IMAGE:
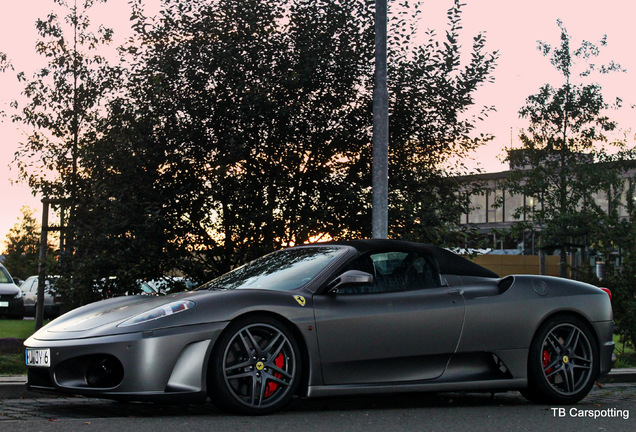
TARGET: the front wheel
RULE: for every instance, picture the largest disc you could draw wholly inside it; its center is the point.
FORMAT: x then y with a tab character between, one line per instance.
255	368
563	362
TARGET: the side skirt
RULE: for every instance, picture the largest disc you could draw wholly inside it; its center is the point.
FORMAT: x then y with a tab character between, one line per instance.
345	390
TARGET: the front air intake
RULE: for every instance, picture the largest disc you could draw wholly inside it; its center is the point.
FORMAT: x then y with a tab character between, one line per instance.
97	371
105	372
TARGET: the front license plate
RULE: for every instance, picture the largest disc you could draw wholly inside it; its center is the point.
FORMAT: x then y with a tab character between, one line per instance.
4	304
38	357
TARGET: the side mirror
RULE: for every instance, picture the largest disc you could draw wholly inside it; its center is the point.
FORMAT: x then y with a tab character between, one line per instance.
350	277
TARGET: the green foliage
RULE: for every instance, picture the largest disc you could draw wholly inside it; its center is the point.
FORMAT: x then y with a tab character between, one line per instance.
563	146
228	143
613	235
626	356
620	283
432	120
280	112
63	101
5	65
12	364
237	127
4	62
565	161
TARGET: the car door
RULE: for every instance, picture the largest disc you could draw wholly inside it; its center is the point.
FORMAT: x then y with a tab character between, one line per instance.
400	328
29	289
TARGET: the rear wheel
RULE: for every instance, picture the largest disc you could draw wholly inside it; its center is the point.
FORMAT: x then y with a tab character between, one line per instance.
256	367
563	362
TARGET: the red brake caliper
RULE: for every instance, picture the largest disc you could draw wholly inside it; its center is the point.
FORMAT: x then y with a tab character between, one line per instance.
272	386
546	360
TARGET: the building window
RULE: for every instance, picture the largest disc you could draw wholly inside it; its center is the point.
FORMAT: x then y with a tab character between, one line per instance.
513	204
477	213
496	206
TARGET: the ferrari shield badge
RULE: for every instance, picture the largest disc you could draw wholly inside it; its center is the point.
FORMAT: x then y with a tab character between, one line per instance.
300	299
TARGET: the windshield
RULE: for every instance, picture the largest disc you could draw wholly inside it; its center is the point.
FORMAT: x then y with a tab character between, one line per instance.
4	276
284	270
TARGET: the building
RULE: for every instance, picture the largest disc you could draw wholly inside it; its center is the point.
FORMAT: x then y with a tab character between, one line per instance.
493	211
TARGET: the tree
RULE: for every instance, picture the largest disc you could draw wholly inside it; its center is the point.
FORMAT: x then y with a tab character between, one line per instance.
568	133
63	102
260	109
614	241
241	126
5	65
22	247
273	100
4	62
433	119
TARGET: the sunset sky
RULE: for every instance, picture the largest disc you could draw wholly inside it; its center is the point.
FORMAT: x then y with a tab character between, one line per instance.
512	27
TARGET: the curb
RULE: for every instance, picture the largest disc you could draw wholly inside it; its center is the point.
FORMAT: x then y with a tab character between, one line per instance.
14	387
618	376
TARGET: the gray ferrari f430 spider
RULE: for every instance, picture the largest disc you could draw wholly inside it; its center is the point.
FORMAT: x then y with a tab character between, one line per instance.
339	318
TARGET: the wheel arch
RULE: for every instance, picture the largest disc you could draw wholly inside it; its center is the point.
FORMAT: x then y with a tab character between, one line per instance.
289	325
571	313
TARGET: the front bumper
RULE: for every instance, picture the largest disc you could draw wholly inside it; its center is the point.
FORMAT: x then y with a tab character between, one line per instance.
14	307
166	365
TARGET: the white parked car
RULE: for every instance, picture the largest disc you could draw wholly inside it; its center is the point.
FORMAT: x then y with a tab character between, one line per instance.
11	301
52	300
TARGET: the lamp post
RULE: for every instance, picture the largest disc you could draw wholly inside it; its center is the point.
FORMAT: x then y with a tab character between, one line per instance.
380	172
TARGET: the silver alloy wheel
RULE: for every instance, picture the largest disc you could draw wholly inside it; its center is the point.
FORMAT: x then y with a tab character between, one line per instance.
568	359
259	366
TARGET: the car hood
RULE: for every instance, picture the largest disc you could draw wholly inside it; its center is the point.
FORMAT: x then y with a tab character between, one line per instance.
8	289
104	318
109	313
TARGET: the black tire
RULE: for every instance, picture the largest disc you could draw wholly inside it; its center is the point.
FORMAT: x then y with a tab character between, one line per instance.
255	368
563	362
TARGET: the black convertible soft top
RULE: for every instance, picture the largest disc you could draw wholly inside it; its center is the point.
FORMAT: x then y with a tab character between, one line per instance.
449	262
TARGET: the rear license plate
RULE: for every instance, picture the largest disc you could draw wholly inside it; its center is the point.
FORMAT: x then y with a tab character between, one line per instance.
4	304
38	357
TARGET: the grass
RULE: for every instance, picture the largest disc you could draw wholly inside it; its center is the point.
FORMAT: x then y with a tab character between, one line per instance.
625	353
20	329
13	364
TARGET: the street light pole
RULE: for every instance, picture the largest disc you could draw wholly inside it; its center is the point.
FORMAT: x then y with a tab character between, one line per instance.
380	171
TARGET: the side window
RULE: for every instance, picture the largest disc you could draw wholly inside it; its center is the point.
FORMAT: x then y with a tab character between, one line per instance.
394	272
420	271
31	287
25	286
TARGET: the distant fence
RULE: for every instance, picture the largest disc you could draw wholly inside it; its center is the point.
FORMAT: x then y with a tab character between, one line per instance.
505	265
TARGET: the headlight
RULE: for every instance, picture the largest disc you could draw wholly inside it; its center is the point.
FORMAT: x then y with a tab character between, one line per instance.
18	294
159	312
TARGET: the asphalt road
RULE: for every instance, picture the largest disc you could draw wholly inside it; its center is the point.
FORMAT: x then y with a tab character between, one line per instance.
615	406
